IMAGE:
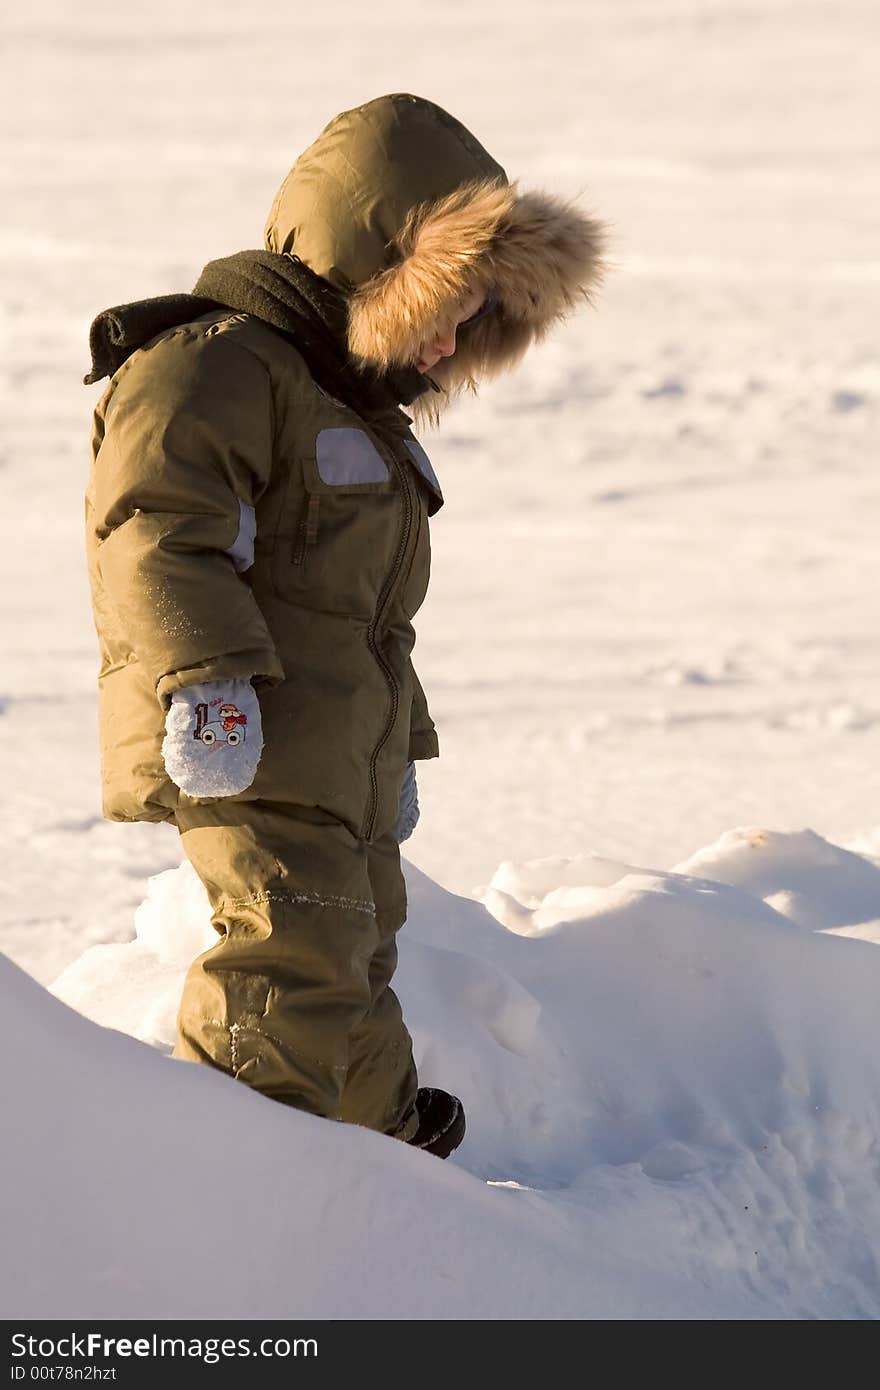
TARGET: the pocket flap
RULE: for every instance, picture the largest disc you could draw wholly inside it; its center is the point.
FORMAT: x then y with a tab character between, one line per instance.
348	457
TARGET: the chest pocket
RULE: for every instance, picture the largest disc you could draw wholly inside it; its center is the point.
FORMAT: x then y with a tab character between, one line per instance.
339	534
346	456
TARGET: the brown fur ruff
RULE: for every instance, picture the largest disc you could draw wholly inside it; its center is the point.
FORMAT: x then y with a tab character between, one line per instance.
542	257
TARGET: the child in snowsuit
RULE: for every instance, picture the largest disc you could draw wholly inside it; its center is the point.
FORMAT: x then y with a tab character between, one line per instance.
257	532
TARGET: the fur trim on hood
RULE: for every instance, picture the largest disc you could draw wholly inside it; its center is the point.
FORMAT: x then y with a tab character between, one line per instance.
539	255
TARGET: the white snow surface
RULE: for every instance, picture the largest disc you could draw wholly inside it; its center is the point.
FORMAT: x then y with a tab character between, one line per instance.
672	1091
653	616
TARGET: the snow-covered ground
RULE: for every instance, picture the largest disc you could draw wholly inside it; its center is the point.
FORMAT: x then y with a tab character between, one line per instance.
671	1080
653	618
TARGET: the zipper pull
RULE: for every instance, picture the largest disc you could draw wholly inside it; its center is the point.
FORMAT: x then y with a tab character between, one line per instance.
308	529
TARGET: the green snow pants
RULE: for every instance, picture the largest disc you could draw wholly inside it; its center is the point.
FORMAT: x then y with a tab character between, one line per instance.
295	998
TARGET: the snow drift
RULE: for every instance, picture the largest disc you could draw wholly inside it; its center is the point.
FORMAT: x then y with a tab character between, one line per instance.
672	1088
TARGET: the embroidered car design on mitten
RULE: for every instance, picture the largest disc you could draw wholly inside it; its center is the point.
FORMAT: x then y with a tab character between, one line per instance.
213	738
229	726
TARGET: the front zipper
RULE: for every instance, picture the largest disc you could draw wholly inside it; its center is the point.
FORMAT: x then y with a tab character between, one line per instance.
381	604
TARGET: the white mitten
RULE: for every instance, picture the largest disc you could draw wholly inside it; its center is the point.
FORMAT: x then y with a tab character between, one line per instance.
409	805
213	738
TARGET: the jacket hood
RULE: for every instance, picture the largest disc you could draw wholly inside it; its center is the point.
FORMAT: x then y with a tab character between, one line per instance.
399	206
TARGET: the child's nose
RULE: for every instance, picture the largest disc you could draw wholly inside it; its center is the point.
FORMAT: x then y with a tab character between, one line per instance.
445	343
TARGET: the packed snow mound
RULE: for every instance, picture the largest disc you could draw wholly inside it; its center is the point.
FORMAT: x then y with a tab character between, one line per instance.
799	875
677	1077
139	1187
816	884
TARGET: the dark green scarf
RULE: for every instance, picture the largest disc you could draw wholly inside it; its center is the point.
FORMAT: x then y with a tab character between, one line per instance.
279	290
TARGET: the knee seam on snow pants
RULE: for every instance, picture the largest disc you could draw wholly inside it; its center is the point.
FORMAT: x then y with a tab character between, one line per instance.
302	895
234	1029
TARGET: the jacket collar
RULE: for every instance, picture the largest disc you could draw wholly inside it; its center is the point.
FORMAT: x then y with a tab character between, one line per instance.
281	291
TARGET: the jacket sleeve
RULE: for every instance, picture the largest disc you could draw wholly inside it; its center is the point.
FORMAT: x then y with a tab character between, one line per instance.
422	735
185	456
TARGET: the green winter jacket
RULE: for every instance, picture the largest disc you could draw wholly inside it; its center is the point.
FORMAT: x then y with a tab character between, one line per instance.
216	430
244	520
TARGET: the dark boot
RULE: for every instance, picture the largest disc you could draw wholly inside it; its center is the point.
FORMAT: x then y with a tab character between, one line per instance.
441	1122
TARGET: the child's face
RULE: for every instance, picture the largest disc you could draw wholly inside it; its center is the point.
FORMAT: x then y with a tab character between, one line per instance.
441	341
